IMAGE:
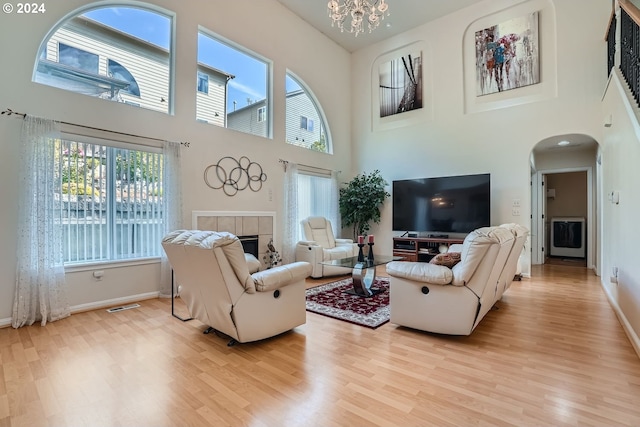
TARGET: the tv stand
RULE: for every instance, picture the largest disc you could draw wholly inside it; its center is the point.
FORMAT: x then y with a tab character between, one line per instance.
438	236
420	249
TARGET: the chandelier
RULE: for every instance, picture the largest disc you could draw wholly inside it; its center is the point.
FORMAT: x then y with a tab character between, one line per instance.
373	11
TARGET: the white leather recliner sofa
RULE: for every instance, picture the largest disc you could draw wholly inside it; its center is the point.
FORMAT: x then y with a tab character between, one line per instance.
219	291
453	301
320	245
512	266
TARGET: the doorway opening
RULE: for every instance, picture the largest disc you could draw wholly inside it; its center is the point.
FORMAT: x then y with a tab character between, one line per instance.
564	202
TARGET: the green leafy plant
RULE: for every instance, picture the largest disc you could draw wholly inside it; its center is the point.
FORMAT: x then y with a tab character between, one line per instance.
360	201
77	189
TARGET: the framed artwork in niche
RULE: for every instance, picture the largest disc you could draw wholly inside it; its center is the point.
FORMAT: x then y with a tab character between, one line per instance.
400	84
399	87
507	55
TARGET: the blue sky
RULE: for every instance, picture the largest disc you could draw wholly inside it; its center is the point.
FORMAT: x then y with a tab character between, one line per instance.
250	74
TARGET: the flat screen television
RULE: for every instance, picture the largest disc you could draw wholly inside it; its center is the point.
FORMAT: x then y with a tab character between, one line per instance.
450	204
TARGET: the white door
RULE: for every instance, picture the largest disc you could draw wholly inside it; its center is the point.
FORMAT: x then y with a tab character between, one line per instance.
538	221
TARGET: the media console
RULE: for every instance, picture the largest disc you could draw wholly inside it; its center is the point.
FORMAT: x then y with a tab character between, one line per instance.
420	248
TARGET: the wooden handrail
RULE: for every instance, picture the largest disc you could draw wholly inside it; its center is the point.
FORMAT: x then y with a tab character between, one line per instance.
631	9
613	14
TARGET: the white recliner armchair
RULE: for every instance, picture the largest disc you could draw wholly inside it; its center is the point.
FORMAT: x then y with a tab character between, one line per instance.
320	245
219	291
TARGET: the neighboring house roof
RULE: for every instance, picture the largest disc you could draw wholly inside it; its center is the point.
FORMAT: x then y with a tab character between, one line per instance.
216	70
100	27
261	103
294	93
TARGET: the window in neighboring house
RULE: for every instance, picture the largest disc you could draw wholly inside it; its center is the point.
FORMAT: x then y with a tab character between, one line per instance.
113	53
262	114
110	201
78	58
306	123
238	83
203	83
119	72
300	102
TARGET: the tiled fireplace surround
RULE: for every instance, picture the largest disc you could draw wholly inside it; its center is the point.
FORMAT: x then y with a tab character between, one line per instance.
243	223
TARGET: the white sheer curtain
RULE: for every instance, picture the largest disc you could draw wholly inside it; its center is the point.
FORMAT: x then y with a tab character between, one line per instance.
172	205
334	209
290	212
40	293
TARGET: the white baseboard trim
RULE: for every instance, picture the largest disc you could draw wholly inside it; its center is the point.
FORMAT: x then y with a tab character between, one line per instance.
99	304
626	326
113	302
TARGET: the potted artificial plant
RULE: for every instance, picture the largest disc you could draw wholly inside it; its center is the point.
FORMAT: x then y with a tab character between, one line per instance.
360	201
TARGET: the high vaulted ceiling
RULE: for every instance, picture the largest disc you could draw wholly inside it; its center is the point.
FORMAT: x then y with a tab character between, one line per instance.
404	15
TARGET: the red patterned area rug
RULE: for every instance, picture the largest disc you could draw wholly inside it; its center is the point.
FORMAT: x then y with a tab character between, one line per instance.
331	300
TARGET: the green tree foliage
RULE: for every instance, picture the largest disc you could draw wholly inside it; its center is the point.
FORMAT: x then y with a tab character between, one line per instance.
79	166
137	165
360	201
320	146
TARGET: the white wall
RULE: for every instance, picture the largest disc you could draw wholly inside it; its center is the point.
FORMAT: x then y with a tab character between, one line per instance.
620	152
269	29
496	134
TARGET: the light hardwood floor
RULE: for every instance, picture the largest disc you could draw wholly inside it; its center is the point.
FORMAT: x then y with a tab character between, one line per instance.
552	353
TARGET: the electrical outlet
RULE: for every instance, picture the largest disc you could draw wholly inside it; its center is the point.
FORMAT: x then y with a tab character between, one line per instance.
516	203
614	275
515	211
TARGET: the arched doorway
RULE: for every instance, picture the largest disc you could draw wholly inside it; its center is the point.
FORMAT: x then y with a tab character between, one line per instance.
565	200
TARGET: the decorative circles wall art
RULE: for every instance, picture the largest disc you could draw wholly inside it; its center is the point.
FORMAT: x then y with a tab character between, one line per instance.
233	175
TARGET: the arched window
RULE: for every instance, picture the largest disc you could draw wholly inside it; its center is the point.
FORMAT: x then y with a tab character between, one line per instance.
305	121
119	53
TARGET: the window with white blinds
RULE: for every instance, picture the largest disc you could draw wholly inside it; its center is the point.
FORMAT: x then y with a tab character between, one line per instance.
314	197
109	201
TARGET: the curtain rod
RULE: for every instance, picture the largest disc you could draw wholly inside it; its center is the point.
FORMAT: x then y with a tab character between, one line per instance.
10	112
286	162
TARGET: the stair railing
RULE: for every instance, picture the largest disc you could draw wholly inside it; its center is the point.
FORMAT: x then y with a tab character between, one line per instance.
611	42
630	46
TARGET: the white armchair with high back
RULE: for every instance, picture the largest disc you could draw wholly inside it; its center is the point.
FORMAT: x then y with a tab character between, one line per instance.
320	245
219	290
